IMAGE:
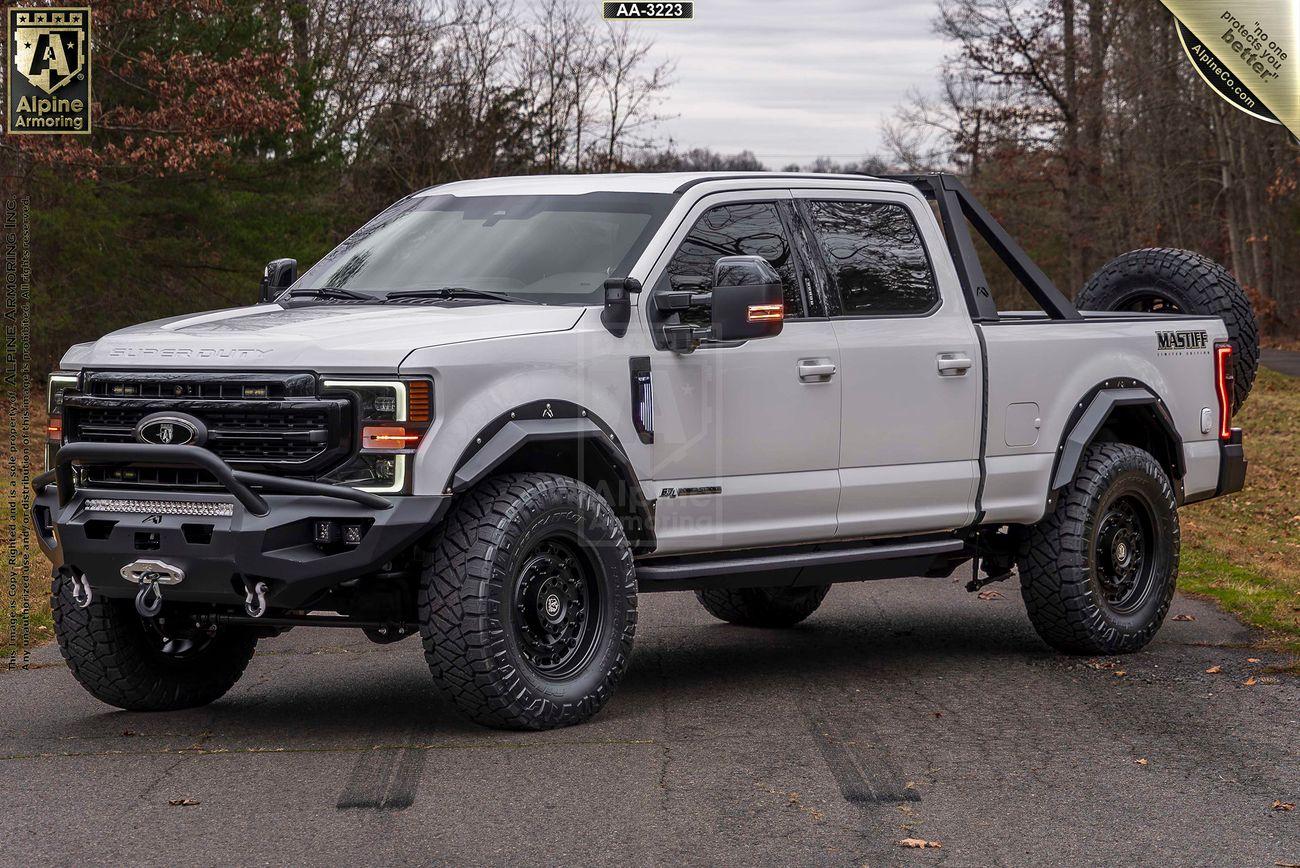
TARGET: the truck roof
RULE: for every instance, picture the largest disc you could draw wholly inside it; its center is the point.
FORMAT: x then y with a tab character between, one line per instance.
632	182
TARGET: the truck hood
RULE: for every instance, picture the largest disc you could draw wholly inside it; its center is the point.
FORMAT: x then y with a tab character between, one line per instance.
355	338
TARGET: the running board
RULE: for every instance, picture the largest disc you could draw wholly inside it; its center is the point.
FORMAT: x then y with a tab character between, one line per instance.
802	565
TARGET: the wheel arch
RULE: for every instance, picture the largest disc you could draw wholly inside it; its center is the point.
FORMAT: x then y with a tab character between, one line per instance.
1123	411
558	436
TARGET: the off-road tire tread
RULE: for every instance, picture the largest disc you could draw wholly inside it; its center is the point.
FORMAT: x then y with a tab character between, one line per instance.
463	642
1053	560
762	607
107	650
1207	287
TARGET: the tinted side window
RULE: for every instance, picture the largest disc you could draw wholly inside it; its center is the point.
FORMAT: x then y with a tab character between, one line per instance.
740	229
875	257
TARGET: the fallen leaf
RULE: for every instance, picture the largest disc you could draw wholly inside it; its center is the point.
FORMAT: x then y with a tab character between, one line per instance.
1214	670
182	803
990	595
1141	762
1184	617
920	844
1283	806
1250	682
1120	673
1252	659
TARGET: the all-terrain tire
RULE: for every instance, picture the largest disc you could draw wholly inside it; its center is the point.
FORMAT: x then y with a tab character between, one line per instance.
1067	561
119	661
478	623
763	607
1193	284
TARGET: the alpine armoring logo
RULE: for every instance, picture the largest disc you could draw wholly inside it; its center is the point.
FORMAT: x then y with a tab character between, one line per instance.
1170	342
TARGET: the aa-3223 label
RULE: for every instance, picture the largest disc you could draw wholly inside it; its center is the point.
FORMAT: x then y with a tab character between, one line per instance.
644	11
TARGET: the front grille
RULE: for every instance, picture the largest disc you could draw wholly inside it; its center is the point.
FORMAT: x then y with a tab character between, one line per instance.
283	428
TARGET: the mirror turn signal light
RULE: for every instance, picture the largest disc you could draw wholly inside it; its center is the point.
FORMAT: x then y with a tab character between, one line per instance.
390	437
766	312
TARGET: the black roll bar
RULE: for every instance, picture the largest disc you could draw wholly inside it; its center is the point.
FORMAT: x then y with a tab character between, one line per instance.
958	206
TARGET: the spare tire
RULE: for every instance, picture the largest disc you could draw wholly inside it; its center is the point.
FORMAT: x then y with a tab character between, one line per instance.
1165	280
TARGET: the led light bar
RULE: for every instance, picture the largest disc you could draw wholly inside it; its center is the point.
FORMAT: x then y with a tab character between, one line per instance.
161	507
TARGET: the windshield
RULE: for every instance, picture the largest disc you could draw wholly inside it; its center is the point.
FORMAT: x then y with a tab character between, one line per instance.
542	249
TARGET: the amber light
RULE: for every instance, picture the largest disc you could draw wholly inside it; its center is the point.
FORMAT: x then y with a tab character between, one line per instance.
389	437
419	401
54	430
1223	385
766	312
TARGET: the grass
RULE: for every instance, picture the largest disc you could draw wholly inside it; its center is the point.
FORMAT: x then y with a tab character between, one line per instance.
1242	551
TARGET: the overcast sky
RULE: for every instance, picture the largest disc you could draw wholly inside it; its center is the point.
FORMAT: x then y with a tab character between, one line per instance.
794	79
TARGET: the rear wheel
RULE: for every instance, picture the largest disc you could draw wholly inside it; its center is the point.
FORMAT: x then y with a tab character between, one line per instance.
763	607
528	602
142	664
1165	280
1097	574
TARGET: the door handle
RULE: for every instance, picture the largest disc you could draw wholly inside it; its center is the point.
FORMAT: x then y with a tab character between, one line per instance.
816	370
953	365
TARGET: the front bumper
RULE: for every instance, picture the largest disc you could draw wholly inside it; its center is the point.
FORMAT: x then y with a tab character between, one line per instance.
268	538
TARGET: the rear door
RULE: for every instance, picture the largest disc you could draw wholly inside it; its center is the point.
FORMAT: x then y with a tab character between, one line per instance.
746	447
910	364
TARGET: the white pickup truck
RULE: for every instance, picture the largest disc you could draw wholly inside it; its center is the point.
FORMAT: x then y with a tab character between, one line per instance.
503	408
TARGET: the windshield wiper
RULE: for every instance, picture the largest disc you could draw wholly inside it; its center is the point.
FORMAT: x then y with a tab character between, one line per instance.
456	292
330	292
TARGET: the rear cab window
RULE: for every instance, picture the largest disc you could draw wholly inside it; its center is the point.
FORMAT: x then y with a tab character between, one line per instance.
875	260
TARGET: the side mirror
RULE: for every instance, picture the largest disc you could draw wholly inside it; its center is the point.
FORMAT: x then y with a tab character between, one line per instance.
618	304
748	299
276	278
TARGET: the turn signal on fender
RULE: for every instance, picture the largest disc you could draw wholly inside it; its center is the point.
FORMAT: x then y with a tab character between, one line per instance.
766	312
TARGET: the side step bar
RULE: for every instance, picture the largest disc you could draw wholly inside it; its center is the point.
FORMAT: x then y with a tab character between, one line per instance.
803	565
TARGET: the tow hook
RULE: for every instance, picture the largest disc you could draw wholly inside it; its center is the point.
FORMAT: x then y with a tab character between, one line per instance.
81	592
151	575
255	599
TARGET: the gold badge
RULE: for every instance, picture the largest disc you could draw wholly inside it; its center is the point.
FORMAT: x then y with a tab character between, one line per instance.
49	71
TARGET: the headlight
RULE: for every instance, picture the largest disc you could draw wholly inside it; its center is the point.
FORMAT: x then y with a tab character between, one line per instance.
57	385
394	417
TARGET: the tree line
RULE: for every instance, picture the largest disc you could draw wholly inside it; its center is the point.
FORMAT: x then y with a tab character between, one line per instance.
1087	130
228	132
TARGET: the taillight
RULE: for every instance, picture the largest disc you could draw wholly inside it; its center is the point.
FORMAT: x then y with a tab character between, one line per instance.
1223	385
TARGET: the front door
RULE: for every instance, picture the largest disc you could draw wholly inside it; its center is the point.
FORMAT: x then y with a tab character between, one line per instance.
911	369
747	435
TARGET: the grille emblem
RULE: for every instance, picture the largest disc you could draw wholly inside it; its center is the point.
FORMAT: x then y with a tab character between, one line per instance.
170	429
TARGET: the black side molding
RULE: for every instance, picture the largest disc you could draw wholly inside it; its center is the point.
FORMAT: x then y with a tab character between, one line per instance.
1232	465
802	565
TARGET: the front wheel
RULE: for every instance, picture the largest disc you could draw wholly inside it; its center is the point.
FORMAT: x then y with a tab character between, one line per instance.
528	602
1097	574
138	665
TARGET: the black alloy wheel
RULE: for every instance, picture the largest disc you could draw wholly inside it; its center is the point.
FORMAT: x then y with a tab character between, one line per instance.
557	613
1122	554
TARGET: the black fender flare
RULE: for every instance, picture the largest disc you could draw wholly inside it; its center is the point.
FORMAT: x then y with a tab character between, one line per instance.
1092	414
551	420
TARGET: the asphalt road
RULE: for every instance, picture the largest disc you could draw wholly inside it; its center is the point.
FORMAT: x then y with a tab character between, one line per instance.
1286	361
901	709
